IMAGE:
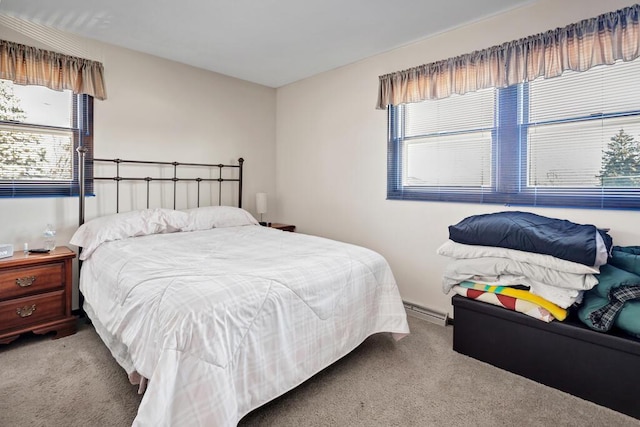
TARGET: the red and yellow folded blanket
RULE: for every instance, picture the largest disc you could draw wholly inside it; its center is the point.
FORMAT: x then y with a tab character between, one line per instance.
519	300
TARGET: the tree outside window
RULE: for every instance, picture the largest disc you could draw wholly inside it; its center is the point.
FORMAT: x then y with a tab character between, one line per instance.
621	162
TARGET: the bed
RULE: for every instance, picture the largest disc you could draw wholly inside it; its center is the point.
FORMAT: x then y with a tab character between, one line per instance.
216	315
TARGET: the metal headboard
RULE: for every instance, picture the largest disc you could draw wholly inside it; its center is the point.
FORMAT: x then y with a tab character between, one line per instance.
148	179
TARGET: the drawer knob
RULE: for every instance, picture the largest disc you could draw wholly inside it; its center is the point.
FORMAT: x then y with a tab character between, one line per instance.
23	282
26	311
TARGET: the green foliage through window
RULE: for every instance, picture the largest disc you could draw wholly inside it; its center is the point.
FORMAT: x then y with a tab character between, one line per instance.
39	131
621	162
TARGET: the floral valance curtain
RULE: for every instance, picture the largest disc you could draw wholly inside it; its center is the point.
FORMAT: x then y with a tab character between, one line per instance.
602	40
28	65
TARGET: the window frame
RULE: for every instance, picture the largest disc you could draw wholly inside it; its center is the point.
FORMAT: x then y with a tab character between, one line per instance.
82	136
509	139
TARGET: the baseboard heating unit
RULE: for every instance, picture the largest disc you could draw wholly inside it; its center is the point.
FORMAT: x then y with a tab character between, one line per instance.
426	313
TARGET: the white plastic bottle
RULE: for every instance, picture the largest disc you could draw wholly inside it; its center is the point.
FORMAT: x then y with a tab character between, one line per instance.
50	237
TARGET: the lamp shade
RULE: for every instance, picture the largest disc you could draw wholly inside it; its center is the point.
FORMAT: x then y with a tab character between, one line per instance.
261	203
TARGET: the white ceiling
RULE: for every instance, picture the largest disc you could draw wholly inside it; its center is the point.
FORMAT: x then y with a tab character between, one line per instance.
270	42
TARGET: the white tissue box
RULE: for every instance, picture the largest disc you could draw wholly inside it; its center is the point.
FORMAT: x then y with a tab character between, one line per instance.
6	251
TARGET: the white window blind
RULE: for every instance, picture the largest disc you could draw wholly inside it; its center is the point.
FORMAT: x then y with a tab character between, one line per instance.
40	129
572	140
572	120
441	149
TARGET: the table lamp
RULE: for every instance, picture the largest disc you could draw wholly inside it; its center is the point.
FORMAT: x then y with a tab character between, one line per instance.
261	205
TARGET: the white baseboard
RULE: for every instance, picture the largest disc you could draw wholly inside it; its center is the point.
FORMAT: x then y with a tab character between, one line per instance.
426	314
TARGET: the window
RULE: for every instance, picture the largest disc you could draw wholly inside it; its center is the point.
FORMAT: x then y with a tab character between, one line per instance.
572	140
40	130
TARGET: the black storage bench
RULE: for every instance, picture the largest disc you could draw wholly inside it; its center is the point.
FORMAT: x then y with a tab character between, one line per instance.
568	356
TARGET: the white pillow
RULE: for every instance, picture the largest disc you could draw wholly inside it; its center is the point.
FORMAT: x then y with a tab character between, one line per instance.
208	217
175	220
128	224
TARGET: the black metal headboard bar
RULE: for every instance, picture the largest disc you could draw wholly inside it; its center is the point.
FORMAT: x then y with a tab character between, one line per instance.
175	179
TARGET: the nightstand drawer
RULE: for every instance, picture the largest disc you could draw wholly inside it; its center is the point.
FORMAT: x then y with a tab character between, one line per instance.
27	280
35	294
26	311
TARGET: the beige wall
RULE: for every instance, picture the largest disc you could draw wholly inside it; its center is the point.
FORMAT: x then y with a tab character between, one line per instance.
331	154
158	110
329	162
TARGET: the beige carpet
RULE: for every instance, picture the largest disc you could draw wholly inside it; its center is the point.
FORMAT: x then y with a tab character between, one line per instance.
419	381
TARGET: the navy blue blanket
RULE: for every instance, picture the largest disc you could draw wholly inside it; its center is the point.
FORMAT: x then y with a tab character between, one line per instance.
529	232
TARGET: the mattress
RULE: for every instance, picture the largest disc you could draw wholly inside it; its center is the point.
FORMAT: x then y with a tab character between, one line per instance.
221	321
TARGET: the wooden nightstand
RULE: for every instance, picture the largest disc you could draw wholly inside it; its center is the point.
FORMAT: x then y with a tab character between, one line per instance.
35	294
283	227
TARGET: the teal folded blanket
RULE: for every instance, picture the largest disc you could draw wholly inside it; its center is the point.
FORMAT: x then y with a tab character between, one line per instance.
626	258
628	318
616	298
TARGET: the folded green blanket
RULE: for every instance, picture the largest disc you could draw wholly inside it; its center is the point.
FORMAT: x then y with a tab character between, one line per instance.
628	319
626	258
614	300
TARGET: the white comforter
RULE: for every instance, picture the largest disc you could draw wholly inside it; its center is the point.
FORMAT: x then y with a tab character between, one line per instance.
558	281
222	321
